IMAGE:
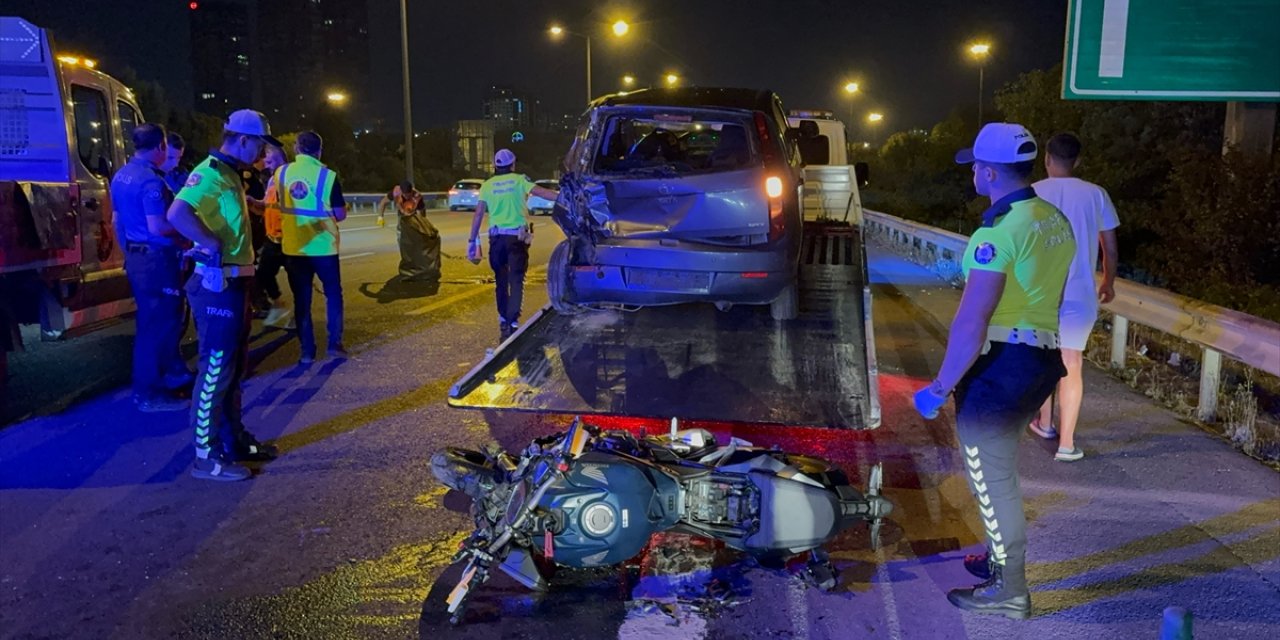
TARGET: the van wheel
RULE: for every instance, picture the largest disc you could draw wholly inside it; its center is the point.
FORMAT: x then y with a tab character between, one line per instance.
786	305
558	281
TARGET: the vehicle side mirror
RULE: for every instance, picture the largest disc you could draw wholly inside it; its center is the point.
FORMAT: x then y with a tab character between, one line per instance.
792	135
862	173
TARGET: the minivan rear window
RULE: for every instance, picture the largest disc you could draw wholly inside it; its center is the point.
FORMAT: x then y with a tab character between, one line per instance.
469	186
674	144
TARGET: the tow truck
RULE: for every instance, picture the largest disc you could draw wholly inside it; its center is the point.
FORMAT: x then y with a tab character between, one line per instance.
64	129
696	362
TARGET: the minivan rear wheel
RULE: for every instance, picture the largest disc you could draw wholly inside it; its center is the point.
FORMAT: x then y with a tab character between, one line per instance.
786	305
558	280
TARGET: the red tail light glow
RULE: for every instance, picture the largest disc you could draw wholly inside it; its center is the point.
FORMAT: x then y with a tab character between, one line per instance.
766	141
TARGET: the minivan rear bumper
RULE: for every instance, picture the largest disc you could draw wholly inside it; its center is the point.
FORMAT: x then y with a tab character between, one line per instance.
652	272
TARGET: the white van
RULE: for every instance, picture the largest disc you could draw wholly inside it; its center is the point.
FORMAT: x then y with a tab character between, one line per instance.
65	131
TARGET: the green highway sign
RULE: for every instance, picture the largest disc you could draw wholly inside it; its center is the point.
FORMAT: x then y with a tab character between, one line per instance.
1214	50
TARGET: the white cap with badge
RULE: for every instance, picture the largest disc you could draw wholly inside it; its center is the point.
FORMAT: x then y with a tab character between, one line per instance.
1000	142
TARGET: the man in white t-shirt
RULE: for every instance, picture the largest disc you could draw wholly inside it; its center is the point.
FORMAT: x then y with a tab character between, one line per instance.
1092	215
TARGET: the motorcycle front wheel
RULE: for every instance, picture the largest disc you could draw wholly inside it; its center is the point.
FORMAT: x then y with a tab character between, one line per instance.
463	470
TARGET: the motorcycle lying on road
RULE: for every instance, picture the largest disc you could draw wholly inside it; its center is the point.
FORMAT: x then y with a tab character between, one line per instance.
590	497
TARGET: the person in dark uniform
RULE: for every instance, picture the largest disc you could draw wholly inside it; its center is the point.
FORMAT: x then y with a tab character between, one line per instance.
175	175
211	210
1003	357
153	264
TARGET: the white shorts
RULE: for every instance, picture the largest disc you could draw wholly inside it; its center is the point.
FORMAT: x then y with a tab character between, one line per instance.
1075	323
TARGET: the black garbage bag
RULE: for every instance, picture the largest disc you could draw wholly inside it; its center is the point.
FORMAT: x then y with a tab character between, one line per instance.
419	248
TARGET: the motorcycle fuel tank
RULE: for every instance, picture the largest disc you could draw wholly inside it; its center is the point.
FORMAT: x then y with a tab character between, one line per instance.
609	505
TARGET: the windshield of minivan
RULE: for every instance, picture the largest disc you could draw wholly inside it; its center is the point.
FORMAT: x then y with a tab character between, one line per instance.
674	144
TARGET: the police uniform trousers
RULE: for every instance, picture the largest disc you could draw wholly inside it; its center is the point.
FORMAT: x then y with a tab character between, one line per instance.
270	261
155	276
509	258
222	325
998	396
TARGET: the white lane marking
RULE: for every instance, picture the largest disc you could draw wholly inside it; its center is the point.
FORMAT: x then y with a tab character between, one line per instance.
463	295
356	255
798	608
886	589
1115	31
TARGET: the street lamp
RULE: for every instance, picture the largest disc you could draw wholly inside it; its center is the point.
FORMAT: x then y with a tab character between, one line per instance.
404	80
336	98
850	88
980	50
672	79
628	81
875	117
620	28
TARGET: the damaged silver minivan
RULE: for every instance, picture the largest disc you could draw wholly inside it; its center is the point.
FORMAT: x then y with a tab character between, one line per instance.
679	195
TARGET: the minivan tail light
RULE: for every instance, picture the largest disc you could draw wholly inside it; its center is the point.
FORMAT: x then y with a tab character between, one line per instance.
773	186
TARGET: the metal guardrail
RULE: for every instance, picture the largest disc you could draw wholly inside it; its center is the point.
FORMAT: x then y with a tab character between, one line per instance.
1218	331
368	202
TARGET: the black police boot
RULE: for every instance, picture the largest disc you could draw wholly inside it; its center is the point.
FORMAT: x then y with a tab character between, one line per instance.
993	596
978	564
247	448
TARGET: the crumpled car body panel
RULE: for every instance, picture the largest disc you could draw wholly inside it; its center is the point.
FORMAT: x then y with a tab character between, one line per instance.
655	236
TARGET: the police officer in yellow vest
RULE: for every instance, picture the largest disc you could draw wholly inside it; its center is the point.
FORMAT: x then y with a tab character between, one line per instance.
503	198
211	211
1003	357
311	206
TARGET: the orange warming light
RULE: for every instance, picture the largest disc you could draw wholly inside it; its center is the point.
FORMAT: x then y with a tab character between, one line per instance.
773	187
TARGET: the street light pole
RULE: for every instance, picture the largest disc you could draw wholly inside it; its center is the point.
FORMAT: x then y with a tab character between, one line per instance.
981	68
980	50
408	108
589	94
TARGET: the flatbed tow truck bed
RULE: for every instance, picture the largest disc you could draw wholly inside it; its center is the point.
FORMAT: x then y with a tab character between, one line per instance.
695	362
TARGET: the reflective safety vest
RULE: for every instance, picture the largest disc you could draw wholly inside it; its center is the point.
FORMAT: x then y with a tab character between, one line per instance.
303	188
271	215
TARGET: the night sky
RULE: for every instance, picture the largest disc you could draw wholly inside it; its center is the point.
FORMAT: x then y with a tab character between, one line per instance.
908	56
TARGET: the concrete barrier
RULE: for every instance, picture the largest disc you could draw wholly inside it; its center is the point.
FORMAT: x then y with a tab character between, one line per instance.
368	202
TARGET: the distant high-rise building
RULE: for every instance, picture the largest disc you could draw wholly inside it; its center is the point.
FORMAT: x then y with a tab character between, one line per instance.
221	57
473	153
310	48
510	109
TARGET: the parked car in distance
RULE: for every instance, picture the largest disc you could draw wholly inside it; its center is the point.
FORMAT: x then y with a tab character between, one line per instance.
465	194
539	206
680	195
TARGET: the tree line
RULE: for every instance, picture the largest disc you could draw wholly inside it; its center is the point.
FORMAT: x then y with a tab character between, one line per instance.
1194	220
